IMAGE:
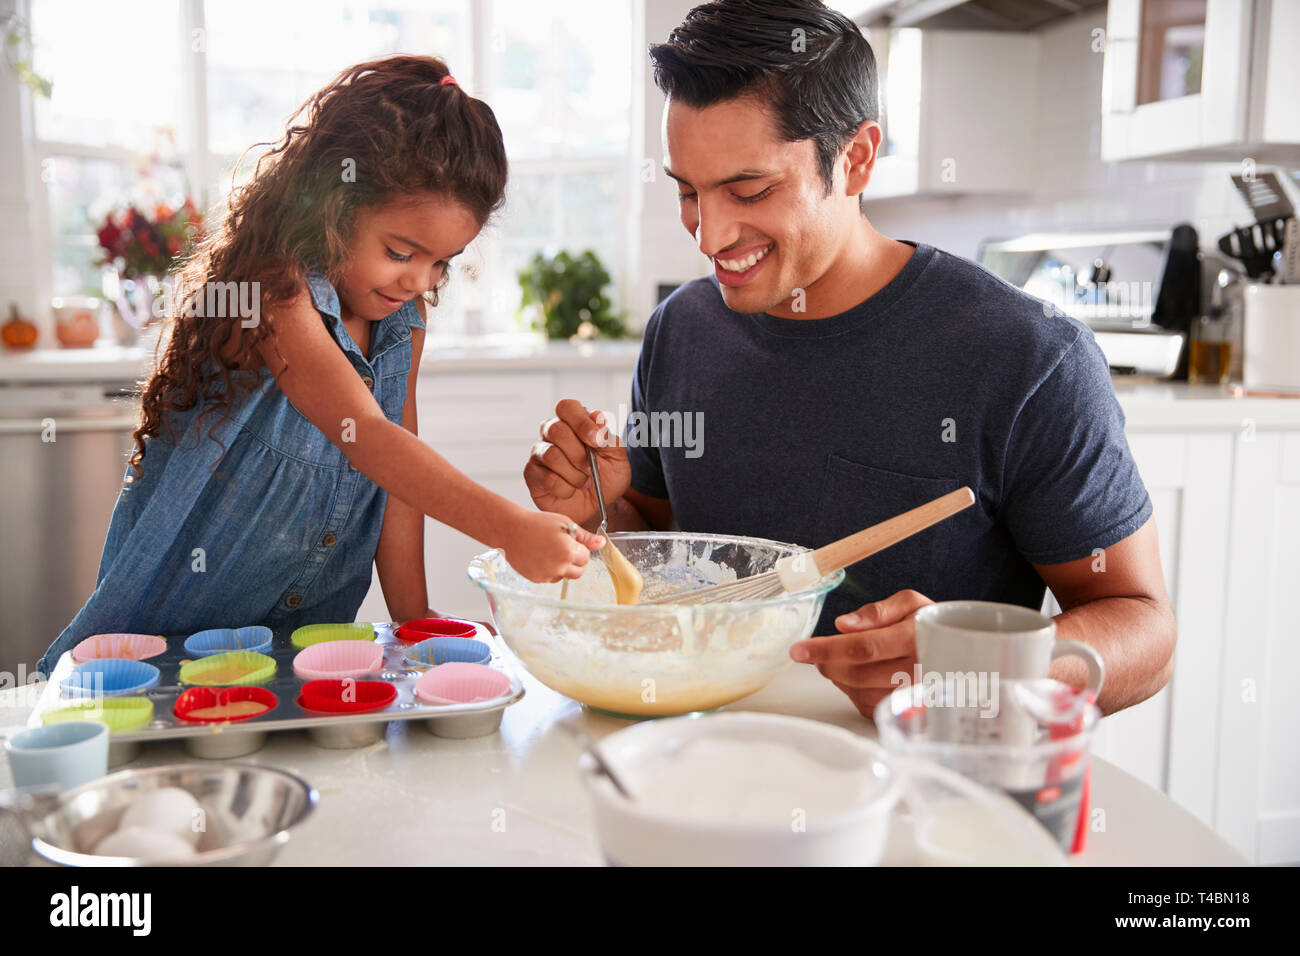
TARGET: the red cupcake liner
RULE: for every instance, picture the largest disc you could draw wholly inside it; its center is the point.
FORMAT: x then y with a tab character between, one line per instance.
331	696
197	698
412	632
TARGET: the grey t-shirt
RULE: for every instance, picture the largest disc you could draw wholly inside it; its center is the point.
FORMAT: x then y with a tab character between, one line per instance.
809	430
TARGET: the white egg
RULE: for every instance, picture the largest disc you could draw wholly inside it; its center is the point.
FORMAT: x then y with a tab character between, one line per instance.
168	810
142	843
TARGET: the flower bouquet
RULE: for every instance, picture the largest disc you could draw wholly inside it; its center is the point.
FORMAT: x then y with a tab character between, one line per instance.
143	250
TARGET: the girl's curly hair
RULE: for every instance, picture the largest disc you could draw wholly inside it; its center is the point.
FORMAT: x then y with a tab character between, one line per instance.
380	130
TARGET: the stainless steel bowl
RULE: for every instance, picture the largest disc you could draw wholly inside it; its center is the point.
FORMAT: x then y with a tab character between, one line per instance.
654	660
249	813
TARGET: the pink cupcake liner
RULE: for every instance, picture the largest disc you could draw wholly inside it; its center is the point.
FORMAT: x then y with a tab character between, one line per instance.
338	659
460	683
134	647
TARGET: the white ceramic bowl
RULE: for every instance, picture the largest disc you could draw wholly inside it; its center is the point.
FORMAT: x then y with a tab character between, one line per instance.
795	819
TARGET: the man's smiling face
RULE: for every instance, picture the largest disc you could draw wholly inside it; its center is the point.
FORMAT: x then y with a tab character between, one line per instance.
756	204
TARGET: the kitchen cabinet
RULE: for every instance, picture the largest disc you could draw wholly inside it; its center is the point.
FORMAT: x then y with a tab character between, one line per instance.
953	111
1201	80
1188	476
1257	807
1224	480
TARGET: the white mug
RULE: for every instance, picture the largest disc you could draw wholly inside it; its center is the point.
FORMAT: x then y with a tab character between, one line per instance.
972	648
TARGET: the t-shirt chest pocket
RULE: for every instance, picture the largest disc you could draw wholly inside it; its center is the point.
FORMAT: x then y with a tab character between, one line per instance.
855	496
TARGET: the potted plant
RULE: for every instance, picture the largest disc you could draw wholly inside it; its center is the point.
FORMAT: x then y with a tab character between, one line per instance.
569	293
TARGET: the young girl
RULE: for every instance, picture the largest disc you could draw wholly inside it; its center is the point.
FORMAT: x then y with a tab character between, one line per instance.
277	458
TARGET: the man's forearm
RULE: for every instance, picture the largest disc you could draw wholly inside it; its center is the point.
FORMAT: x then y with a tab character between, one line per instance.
1134	636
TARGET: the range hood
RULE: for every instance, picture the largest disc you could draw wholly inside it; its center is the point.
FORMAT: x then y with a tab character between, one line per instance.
995	15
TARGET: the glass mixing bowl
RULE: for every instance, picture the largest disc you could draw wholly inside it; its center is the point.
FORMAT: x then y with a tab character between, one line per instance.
657	660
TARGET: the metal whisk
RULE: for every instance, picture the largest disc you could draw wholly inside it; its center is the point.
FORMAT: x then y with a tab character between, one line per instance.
799	571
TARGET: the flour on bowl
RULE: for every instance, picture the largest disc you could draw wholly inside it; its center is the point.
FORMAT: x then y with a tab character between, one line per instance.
653	660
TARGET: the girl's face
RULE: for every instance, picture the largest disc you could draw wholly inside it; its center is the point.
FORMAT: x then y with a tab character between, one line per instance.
400	250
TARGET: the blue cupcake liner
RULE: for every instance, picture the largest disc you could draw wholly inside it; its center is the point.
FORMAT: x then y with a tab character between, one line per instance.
218	640
444	650
112	677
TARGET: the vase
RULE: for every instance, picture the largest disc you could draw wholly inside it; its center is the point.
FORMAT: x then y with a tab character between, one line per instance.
135	307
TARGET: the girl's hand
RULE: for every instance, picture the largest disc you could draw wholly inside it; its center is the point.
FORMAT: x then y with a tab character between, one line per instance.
541	549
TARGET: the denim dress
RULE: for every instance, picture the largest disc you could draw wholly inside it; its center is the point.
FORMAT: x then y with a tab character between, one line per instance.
267	524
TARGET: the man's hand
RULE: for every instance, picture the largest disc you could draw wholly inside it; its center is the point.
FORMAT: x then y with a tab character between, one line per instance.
557	473
877	641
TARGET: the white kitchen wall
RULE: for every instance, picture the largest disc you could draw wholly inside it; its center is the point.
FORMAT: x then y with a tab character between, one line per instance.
17	258
668	253
1072	188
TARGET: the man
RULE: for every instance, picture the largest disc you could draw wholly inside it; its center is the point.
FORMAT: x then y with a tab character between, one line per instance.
845	377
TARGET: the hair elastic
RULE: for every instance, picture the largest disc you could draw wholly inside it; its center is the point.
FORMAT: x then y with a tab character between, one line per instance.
448	80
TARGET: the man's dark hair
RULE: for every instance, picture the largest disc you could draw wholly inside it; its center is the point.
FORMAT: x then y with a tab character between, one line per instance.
811	64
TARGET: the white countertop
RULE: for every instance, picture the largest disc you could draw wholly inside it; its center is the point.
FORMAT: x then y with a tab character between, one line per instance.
414	799
1147	404
495	354
1152	404
106	363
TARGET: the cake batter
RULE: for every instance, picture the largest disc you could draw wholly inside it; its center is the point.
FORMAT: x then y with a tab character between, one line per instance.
231	711
627	579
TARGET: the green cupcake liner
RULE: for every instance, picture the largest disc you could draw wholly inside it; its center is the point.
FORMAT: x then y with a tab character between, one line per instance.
122	714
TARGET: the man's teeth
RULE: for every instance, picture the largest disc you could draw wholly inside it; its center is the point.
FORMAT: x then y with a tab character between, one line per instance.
740	265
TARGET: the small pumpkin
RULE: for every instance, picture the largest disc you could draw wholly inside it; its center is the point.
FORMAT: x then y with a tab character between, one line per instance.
18	333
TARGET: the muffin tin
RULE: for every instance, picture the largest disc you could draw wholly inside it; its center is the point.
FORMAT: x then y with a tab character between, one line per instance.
332	726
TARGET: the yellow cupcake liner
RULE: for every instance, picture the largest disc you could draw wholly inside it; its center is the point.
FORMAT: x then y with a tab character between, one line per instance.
311	634
215	671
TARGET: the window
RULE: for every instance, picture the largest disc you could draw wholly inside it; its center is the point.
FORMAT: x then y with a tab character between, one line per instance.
108	131
193	84
561	77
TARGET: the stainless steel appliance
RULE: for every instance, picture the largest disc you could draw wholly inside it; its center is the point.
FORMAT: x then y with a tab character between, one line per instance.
63	451
1112	281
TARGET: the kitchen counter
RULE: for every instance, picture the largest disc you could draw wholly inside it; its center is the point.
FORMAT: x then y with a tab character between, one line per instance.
514	798
1147	403
97	364
493	354
1154	404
